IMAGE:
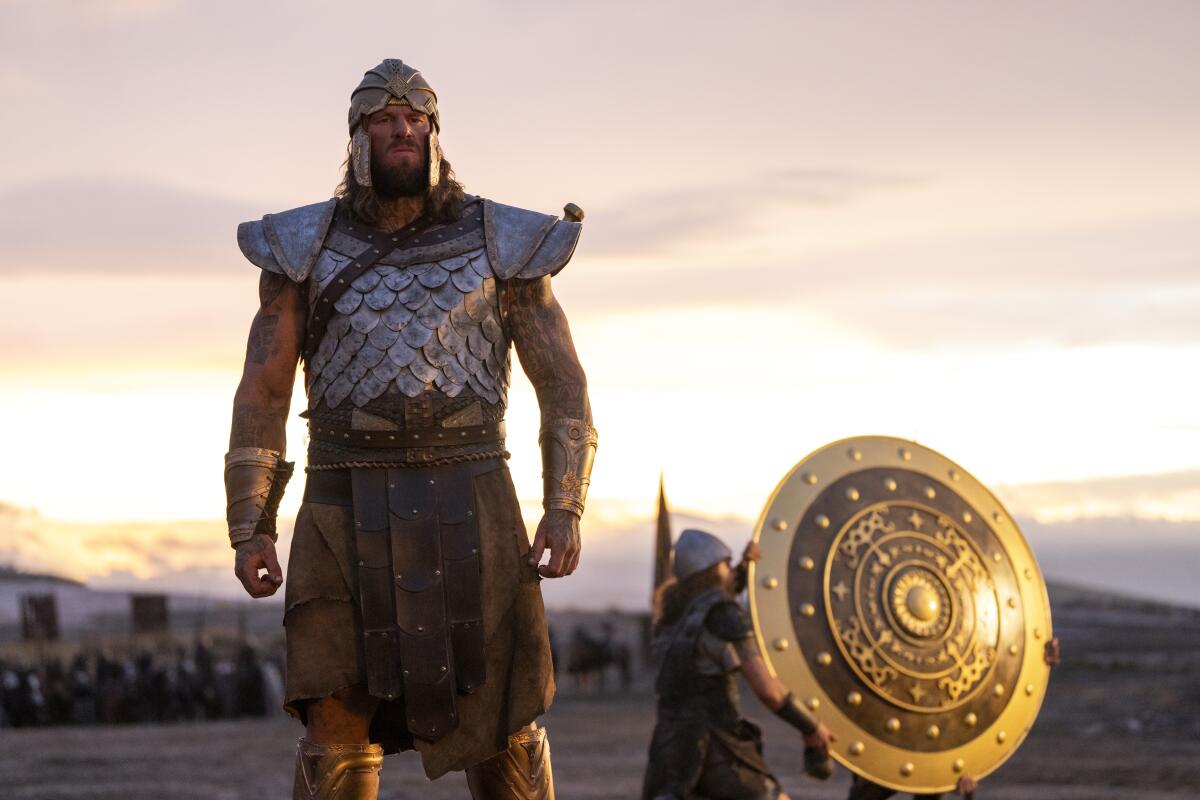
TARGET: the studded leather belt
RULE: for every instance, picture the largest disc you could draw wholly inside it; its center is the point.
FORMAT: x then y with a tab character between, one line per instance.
414	437
335	488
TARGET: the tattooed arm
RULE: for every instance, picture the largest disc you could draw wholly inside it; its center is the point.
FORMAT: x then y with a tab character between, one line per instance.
264	395
543	341
260	407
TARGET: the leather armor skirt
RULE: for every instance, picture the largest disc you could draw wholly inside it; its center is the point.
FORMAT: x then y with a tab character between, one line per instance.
324	626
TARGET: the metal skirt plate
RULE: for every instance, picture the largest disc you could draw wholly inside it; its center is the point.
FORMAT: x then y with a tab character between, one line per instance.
898	599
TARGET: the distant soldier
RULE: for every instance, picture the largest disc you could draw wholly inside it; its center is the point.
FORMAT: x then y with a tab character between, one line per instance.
702	747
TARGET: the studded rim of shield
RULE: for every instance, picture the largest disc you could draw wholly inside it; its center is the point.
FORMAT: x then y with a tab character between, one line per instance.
898	599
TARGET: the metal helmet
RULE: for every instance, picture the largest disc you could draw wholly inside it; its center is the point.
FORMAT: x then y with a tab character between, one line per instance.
696	551
391	83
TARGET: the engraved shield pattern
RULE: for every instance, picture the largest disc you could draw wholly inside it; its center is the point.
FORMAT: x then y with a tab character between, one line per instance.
433	325
898	599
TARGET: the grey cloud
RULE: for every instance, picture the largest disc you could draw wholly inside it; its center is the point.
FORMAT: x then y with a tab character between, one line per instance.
1157	253
117	226
650	223
1103	284
127	226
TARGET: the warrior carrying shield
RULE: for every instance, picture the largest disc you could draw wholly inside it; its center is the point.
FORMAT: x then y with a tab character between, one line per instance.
702	747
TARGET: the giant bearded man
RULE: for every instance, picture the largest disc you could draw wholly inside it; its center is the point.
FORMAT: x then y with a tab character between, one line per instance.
413	614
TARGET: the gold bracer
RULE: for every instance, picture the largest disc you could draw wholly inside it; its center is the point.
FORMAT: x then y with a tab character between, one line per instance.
254	482
568	449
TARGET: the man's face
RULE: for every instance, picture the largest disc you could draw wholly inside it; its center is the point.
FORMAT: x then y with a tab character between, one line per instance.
399	160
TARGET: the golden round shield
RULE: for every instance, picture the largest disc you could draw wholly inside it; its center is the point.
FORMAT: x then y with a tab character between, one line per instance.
899	601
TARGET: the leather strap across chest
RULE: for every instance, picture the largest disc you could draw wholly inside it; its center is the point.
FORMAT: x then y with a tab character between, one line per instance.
379	245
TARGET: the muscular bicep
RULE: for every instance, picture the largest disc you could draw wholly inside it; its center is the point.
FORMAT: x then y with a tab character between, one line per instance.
272	354
273	346
542	338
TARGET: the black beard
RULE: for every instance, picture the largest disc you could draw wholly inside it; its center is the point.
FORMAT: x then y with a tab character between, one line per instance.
392	183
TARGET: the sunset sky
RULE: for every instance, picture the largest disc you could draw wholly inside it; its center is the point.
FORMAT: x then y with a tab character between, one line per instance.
973	225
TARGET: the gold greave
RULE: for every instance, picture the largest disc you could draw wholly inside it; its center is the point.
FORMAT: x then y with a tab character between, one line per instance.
337	771
522	772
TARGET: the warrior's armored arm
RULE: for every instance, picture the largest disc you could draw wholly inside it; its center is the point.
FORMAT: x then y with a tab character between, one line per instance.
785	705
796	715
255	472
773	694
568	440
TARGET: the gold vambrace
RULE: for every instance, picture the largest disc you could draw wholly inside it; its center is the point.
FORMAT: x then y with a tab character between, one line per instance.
568	449
254	483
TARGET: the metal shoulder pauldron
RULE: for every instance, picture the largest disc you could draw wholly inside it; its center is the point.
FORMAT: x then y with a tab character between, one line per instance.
527	244
288	242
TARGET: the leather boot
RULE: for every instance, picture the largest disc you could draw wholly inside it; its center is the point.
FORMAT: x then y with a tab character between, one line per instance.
337	771
522	772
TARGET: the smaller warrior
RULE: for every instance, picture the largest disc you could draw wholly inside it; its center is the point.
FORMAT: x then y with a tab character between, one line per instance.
702	747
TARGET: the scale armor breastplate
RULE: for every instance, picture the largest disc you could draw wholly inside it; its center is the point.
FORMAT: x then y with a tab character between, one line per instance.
426	317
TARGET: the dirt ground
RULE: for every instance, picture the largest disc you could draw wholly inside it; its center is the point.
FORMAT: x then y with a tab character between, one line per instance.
599	747
1121	719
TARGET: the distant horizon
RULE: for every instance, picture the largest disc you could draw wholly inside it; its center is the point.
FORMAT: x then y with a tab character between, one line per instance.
1053	583
1099	553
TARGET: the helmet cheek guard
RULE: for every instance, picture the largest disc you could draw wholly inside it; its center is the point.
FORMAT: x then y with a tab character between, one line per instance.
435	158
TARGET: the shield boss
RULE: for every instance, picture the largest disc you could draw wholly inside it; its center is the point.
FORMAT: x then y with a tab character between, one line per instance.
898	599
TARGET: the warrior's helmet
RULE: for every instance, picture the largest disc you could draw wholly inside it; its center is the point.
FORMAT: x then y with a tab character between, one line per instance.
696	551
391	83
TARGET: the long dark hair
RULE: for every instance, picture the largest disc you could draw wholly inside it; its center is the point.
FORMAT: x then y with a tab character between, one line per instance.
443	203
673	597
